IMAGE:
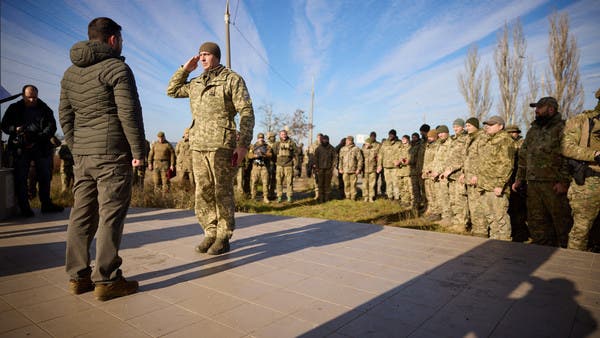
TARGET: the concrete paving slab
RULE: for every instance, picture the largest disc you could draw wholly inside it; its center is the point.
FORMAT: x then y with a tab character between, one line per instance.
290	277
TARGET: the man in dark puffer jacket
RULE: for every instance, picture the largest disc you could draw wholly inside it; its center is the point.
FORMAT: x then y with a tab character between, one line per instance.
101	118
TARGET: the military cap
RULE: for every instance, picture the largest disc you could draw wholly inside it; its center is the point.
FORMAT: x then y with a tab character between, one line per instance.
350	138
598	94
546	101
211	47
161	134
432	133
442	129
473	121
459	122
425	127
260	135
512	128
494	120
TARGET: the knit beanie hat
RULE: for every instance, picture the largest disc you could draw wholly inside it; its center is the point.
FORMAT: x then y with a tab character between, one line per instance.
442	129
474	122
459	122
212	48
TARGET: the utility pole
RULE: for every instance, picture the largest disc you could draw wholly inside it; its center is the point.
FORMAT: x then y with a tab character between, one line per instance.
227	35
312	105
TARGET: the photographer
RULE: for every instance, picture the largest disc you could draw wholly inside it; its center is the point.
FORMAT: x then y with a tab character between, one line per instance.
260	154
30	124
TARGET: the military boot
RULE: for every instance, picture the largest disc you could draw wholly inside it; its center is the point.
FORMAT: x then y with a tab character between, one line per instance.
205	244
118	288
220	246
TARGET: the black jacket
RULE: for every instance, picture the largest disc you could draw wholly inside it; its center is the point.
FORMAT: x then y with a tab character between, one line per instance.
37	129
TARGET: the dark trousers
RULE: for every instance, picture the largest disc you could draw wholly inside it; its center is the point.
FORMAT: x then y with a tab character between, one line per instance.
102	192
43	173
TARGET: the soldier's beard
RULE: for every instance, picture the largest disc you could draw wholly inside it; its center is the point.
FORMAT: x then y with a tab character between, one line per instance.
542	120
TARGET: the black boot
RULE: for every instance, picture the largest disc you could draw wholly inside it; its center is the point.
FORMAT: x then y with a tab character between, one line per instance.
220	246
205	244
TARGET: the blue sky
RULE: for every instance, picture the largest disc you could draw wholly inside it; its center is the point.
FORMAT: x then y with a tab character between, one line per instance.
376	64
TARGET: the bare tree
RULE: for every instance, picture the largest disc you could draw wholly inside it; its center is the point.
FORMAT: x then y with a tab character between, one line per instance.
509	68
474	86
563	55
271	122
527	113
298	125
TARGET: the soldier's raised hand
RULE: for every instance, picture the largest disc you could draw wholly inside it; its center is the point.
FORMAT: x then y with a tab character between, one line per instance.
191	64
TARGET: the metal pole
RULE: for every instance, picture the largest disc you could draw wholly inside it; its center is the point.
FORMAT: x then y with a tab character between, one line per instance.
310	118
227	35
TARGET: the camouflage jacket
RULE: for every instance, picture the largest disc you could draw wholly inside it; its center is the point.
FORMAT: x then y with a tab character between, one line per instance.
285	152
216	96
540	158
351	159
473	149
570	146
429	157
370	152
388	153
404	153
456	155
183	152
496	159
442	155
325	157
162	152
260	153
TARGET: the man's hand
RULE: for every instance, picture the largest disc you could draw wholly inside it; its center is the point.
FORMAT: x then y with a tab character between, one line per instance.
192	64
473	181
498	191
238	155
150	166
379	169
461	179
397	163
137	163
516	185
560	188
445	174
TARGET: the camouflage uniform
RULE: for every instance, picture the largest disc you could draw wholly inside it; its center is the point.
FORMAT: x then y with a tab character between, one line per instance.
585	199
183	153
325	159
496	165
440	184
433	205
285	153
542	166
351	161
260	155
216	97
474	195
66	167
369	183
388	153
311	162
162	157
404	171
457	190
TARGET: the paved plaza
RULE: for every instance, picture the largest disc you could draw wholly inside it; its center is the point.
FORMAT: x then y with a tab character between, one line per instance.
299	277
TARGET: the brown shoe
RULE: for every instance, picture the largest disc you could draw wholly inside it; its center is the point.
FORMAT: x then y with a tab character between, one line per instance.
118	288
81	285
205	244
220	246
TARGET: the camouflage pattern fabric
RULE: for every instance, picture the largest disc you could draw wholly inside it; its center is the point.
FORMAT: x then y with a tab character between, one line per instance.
183	153
351	161
388	153
584	199
433	205
457	190
162	156
441	185
370	151
66	168
260	155
470	167
496	215
548	214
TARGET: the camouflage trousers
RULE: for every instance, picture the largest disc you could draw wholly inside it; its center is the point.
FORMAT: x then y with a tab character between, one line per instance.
187	177
316	184
285	175
477	211
585	202
548	214
441	193
324	177
214	205
159	176
496	215
458	203
369	186
350	180
391	183
433	206
259	173
406	190
66	177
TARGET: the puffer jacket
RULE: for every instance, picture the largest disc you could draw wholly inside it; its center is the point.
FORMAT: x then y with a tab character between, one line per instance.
99	110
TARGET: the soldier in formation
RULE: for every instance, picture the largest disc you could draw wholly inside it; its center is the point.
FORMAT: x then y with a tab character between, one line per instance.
260	155
286	152
183	154
161	159
325	160
311	163
370	151
387	163
350	166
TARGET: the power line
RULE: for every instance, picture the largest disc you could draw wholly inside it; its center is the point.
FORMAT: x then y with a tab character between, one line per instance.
29	77
31	66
